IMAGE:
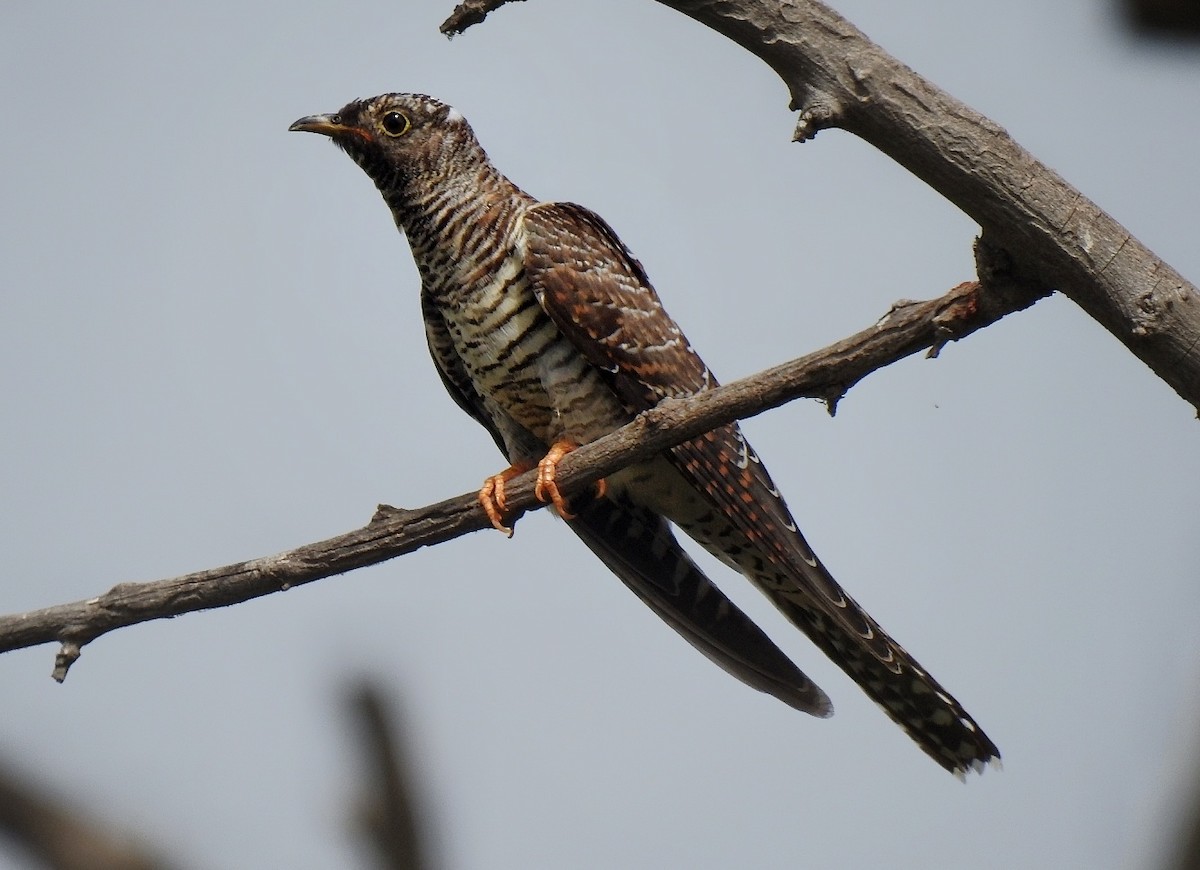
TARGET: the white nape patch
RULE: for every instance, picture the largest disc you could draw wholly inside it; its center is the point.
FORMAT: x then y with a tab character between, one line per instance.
453	115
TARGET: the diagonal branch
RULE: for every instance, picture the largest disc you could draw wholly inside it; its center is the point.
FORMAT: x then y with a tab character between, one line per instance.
826	374
1053	234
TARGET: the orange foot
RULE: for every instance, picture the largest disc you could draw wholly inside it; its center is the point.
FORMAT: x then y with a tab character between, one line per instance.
491	496
547	488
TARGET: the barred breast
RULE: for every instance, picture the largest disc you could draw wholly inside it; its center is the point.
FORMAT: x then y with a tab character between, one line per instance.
471	259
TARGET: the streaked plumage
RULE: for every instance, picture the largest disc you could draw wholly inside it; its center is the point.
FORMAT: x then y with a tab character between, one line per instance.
546	330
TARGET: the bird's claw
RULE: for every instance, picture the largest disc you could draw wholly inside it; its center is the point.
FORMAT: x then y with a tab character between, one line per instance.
491	497
491	494
546	488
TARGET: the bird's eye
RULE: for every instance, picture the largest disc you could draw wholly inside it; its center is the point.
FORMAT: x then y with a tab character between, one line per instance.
395	123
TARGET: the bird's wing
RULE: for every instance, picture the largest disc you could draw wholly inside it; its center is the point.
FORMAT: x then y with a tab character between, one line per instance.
638	546
603	301
599	296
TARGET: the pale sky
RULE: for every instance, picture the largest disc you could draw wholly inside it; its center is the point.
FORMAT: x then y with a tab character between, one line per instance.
210	350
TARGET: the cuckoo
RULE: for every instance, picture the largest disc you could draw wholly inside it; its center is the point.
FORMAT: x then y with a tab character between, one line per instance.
546	330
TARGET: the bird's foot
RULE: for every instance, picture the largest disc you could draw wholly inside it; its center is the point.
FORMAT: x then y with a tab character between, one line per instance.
547	487
491	496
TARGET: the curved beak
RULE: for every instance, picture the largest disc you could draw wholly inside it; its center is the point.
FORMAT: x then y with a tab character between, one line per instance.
326	125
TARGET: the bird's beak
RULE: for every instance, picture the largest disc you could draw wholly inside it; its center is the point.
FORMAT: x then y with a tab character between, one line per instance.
326	125
333	126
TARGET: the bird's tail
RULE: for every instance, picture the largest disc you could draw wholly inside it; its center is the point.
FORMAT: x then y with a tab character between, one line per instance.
809	597
640	548
743	520
892	678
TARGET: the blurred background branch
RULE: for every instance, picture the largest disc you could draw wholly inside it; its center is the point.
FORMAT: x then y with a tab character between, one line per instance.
1165	17
63	834
388	810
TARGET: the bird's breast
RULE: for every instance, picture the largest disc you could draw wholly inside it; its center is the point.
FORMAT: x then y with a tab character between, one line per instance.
521	362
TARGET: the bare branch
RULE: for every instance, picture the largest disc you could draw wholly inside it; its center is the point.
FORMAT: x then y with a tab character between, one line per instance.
827	374
1053	234
468	13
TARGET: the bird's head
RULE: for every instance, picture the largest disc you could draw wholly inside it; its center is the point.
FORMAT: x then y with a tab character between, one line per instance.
397	137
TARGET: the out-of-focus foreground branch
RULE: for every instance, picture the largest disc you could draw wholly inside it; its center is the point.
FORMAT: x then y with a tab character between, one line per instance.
388	811
1174	18
62	836
388	815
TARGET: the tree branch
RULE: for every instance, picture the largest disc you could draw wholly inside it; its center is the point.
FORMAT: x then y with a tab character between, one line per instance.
469	13
1053	234
827	374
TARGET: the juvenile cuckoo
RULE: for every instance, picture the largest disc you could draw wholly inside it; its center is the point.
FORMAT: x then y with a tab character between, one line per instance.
545	329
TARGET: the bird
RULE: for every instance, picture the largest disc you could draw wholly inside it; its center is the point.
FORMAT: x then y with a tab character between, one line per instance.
545	329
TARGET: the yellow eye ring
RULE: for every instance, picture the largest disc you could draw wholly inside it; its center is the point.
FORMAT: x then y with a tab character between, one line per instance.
395	123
